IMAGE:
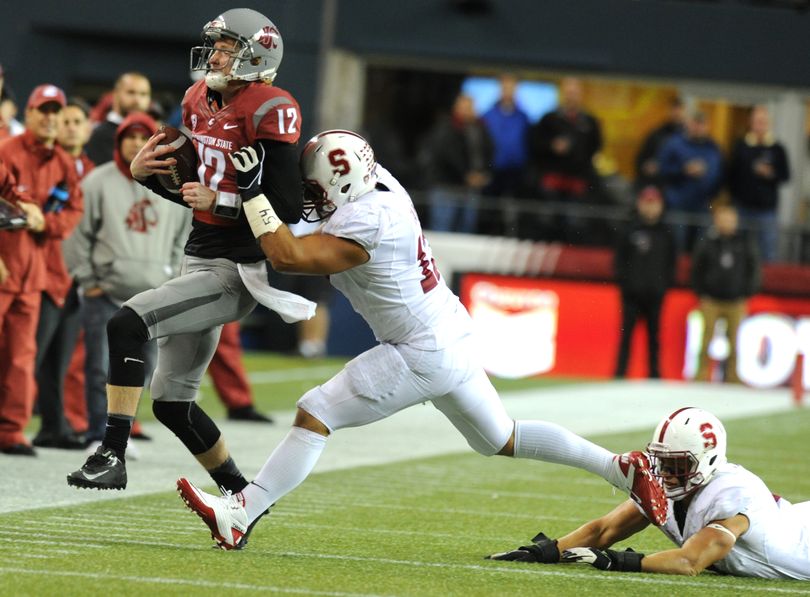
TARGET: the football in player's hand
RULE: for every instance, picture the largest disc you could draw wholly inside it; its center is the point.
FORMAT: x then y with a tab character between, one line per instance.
185	170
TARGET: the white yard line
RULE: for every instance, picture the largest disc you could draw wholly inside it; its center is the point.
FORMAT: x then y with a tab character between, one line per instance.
418	432
539	570
182	582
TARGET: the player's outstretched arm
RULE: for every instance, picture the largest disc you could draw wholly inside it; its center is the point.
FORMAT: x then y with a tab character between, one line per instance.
622	522
320	254
711	544
700	551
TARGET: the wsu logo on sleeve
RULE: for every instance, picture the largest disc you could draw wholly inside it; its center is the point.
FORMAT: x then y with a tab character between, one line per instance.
142	216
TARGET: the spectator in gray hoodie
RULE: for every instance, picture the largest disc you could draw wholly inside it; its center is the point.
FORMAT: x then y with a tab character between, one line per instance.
128	241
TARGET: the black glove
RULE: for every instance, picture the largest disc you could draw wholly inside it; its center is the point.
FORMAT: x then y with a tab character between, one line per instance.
542	550
605	559
248	162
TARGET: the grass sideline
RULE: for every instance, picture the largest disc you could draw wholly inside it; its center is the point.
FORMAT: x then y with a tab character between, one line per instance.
419	527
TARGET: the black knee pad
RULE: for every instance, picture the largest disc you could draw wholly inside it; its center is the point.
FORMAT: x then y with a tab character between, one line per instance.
126	335
189	423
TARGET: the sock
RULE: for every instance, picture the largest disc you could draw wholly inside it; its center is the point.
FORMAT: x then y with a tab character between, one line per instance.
550	442
228	476
117	433
288	465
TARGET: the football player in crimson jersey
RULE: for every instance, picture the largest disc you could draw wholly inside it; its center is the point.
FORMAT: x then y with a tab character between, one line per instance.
374	252
722	517
235	105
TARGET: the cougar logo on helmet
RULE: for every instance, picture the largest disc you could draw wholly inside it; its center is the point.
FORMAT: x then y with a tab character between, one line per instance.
267	37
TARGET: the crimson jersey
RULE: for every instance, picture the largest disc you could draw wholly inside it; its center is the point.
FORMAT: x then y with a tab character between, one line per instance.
257	111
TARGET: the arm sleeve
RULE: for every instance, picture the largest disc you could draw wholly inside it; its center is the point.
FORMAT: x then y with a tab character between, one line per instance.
728	503
734	170
8	190
281	182
620	257
782	165
647	152
714	173
360	223
153	184
669	164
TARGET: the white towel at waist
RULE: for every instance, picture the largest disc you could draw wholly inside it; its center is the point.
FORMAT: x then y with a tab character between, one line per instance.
291	307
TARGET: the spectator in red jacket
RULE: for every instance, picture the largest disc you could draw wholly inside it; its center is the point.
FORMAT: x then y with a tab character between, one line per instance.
46	172
19	305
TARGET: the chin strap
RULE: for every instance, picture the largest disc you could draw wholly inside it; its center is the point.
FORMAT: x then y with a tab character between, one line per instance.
216	81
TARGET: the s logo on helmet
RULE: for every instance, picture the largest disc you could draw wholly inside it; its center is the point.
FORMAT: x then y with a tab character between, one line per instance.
340	165
267	37
708	435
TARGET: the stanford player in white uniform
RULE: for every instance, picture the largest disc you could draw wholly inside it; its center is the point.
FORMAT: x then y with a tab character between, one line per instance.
721	516
373	249
235	106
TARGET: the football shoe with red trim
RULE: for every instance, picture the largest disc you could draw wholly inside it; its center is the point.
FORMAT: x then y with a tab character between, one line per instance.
225	515
632	474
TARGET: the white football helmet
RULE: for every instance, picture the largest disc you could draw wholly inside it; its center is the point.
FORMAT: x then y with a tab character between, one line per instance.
336	167
256	56
688	446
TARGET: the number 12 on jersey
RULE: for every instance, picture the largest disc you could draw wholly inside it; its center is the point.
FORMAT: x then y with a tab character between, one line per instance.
430	273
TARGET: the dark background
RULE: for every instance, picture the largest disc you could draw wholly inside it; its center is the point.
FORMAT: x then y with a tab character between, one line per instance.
83	46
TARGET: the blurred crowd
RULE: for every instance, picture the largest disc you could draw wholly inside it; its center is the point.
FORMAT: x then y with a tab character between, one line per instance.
500	173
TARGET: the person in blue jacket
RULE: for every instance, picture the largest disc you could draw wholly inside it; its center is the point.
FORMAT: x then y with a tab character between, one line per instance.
692	170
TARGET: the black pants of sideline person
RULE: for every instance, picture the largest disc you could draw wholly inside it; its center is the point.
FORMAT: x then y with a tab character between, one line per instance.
647	306
57	334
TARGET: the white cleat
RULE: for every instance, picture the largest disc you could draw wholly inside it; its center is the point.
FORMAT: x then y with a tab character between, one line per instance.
224	515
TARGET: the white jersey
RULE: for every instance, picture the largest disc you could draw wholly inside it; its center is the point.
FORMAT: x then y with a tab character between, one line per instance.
398	291
777	542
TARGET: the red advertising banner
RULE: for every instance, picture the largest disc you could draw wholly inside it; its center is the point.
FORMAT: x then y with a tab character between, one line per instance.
535	326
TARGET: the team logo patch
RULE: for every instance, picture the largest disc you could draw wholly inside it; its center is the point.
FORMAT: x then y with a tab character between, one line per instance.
193	122
267	37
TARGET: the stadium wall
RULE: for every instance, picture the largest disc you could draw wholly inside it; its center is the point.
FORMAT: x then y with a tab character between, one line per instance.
95	40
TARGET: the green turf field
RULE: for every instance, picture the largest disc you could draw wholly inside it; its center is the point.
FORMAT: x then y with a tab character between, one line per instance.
419	527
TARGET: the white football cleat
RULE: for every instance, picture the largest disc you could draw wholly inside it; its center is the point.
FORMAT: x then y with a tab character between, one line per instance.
225	515
631	474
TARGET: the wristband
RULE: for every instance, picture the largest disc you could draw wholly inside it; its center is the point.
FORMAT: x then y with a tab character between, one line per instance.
227	205
260	215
